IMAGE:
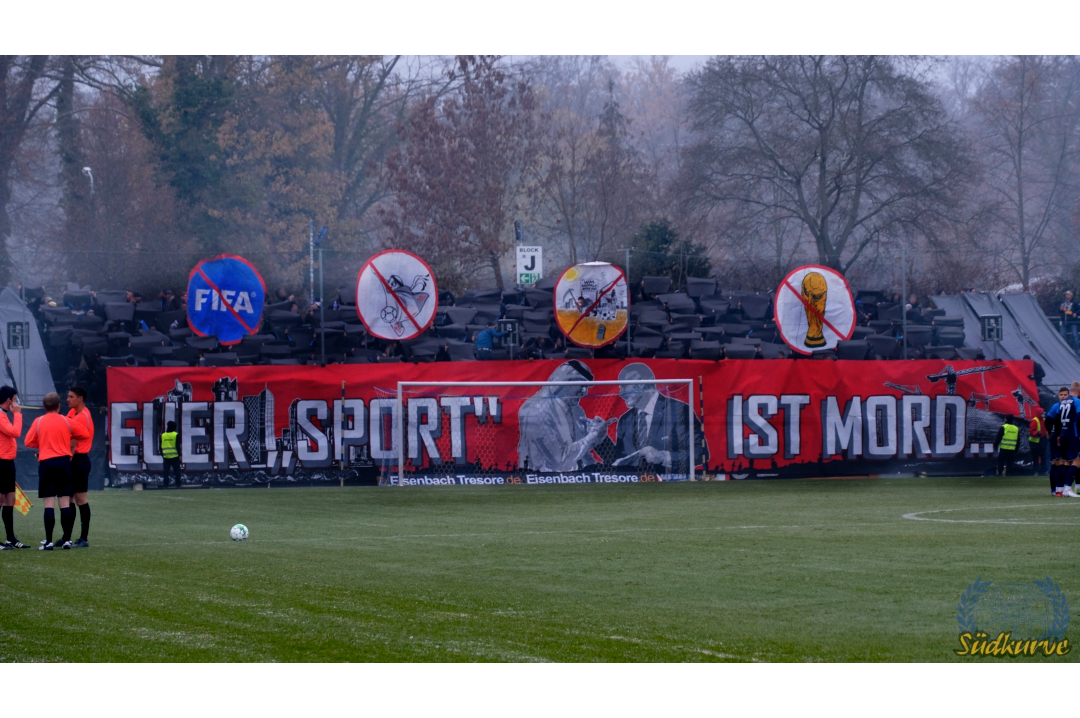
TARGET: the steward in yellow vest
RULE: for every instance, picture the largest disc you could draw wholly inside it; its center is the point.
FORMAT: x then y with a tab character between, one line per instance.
169	454
1007	437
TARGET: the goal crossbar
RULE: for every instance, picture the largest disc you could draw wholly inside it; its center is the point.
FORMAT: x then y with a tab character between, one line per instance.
399	408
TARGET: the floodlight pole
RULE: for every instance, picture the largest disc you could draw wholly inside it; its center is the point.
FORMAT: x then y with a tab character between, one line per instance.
629	293
322	300
903	294
322	312
24	344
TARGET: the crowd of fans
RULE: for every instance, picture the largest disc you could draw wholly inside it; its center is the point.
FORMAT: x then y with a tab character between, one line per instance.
86	331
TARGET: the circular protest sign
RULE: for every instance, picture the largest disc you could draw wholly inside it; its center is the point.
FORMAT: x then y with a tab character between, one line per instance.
592	306
225	298
396	296
814	309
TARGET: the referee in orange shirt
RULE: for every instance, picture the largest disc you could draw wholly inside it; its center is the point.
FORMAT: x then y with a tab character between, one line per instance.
9	432
80	462
51	435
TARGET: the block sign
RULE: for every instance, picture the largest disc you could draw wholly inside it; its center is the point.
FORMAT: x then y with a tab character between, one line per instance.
530	264
225	298
396	297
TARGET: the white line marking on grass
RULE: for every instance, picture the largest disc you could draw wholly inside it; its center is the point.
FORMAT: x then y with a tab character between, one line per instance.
690	648
920	515
554	532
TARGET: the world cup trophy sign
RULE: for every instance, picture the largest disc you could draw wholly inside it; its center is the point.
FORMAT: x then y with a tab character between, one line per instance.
814	309
815	292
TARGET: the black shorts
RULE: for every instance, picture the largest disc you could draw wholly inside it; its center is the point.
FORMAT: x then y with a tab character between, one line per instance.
54	477
1070	447
7	476
80	473
1055	450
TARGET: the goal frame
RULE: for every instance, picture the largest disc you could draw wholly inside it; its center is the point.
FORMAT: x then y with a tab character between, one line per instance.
399	407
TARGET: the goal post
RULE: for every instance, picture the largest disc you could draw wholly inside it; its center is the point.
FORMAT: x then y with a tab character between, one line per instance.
495	432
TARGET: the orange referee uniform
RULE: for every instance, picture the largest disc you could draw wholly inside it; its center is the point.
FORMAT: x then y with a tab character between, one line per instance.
51	435
9	432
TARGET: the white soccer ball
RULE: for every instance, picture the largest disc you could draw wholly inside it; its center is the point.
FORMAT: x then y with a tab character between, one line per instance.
238	532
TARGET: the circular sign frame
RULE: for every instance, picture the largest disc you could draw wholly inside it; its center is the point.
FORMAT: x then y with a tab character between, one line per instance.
216	294
590	310
401	294
816	324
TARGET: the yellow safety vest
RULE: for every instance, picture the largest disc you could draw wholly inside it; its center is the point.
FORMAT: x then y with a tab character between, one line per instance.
1008	442
1037	436
168	445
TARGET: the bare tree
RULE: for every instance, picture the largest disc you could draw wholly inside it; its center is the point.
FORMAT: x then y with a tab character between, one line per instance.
853	148
461	173
24	91
1029	111
593	186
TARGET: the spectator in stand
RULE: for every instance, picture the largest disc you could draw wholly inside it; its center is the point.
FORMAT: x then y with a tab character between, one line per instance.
862	314
443	353
169	301
485	341
1069	321
1037	372
537	348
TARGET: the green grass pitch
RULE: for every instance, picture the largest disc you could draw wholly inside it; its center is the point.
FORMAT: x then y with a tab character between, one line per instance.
765	570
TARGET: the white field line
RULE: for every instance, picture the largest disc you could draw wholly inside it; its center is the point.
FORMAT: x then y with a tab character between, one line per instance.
486	534
920	515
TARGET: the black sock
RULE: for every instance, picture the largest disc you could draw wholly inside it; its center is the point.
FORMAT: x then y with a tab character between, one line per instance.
84	515
67	521
50	522
1053	478
1070	477
9	514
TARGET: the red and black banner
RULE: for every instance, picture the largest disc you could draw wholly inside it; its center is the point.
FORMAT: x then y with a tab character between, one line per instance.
742	419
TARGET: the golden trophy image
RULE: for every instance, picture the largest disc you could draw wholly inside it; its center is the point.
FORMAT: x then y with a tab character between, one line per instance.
815	291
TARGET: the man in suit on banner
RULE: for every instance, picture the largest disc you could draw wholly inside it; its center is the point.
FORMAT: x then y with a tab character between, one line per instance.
653	434
556	435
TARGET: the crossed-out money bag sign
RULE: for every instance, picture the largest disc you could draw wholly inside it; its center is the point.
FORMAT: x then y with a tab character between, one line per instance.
225	298
592	305
396	296
814	309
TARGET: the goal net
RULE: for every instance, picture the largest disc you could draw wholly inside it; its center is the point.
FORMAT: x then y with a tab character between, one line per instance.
468	433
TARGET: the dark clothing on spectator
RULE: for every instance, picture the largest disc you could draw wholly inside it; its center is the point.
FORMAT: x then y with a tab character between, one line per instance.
1038	373
485	340
1067	312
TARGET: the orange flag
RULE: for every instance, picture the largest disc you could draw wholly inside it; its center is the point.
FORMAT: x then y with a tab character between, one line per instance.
22	504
